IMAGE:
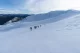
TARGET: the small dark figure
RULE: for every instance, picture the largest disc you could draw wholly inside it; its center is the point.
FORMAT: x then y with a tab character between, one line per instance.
40	25
31	28
35	27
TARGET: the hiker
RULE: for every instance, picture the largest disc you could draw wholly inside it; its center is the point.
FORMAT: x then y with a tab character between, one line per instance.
31	28
40	25
35	27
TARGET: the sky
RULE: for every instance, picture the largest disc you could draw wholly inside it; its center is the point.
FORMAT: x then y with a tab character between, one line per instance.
37	6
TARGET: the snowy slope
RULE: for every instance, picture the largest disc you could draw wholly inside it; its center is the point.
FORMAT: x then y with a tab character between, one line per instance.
62	36
46	18
53	14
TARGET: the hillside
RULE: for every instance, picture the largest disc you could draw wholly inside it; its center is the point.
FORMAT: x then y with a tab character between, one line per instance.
62	36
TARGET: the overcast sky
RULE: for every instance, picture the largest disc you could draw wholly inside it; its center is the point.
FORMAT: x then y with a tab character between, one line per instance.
37	6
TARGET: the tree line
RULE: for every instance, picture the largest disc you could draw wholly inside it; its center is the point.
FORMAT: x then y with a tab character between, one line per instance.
6	17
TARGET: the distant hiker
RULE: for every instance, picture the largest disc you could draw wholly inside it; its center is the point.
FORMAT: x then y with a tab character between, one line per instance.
31	28
35	27
40	25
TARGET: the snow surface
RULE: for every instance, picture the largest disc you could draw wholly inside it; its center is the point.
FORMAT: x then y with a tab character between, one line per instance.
53	14
62	36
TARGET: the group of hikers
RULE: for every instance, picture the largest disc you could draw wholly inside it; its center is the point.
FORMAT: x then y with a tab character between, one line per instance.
34	27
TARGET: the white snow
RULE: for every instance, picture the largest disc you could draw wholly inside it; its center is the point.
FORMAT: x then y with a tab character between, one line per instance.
56	37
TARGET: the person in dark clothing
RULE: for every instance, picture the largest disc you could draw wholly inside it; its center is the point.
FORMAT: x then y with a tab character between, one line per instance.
31	28
40	25
35	27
